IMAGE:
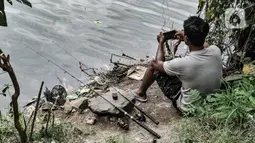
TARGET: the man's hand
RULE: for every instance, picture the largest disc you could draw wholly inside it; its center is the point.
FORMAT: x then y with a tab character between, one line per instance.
180	35
161	38
176	44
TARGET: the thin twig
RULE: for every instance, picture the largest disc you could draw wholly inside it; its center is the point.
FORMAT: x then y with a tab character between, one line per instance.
60	81
82	69
245	45
36	109
53	120
30	118
49	114
125	55
47	124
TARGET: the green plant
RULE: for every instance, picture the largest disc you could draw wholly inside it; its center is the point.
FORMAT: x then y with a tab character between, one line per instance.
230	41
7	129
3	20
235	105
194	131
117	139
226	116
56	133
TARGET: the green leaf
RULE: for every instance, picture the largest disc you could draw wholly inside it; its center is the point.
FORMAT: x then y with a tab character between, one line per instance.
26	2
9	1
5	89
97	21
220	115
221	108
3	21
252	100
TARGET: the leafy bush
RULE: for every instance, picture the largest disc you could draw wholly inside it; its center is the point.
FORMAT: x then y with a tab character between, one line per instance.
235	105
226	116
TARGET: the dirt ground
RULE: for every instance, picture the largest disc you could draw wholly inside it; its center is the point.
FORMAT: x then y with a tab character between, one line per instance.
158	106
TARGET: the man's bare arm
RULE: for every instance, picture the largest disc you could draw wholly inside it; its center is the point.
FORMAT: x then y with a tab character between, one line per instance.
160	55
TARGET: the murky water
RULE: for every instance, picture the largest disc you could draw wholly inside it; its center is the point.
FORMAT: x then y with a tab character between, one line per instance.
128	26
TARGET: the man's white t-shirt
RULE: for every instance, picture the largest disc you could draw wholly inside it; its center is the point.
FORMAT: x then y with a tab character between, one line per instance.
200	70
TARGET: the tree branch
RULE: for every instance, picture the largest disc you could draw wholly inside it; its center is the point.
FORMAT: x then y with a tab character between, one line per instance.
6	66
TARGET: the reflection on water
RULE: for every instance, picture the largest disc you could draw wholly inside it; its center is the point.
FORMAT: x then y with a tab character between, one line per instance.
128	26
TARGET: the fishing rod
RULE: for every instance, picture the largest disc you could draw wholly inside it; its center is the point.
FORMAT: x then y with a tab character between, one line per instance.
149	116
118	108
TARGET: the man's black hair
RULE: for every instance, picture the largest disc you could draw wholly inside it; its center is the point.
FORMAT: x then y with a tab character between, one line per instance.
196	29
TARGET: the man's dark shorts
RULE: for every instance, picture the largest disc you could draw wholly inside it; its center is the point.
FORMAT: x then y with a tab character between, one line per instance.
169	85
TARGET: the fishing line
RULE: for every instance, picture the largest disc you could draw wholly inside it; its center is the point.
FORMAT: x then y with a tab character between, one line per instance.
162	16
65	71
166	21
80	63
65	50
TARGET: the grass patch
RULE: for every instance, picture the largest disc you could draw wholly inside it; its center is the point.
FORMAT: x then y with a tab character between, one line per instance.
7	129
224	117
57	133
61	132
117	139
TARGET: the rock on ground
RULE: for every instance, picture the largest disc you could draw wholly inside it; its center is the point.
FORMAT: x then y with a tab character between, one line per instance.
99	106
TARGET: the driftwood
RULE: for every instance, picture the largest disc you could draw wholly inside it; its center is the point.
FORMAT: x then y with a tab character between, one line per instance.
6	66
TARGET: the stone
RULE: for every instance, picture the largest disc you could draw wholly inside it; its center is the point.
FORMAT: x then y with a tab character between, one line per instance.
68	107
80	103
101	107
47	106
91	120
113	119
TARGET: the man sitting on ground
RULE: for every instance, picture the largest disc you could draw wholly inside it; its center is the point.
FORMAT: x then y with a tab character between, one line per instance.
201	69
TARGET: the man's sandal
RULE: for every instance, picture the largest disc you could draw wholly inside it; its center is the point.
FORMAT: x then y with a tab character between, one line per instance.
138	98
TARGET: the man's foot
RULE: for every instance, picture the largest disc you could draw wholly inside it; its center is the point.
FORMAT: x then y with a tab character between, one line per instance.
139	96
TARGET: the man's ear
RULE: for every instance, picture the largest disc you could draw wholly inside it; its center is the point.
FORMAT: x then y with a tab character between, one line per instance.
186	40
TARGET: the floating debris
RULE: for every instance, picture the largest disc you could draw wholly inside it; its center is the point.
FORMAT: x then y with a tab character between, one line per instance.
97	21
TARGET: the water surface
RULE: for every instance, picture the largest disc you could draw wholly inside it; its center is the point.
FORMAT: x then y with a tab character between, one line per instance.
128	26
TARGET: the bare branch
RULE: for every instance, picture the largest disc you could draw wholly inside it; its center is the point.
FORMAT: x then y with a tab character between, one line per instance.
6	66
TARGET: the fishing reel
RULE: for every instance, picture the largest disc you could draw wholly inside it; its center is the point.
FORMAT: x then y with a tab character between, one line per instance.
56	95
139	116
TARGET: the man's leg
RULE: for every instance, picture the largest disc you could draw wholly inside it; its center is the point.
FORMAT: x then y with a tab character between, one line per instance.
146	83
148	78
